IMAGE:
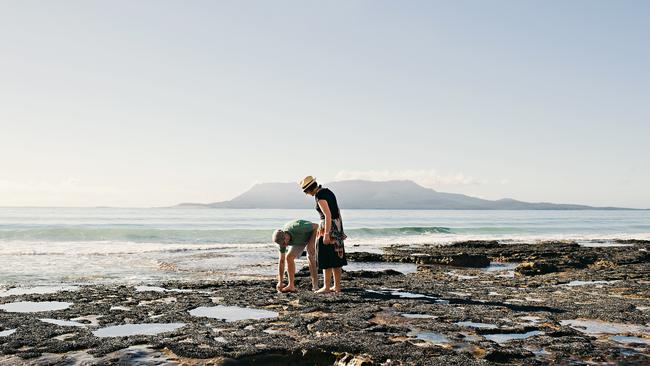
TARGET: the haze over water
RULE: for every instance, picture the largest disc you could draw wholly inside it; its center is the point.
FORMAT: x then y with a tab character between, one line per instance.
82	245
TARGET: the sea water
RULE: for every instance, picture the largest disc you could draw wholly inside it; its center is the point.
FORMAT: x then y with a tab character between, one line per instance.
53	246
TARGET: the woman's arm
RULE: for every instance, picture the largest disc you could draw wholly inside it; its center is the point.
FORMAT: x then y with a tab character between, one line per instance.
328	220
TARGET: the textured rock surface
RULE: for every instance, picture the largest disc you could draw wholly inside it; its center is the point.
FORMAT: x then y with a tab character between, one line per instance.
440	315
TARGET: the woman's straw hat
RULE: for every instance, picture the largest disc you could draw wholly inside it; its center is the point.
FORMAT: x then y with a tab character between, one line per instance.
307	182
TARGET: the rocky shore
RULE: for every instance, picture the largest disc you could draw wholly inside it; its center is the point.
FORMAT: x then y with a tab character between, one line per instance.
473	303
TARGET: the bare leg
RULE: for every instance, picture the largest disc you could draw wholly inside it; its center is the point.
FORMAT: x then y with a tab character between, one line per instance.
311	255
327	277
337	279
291	273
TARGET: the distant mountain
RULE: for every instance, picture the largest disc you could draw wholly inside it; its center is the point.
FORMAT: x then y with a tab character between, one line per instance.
359	194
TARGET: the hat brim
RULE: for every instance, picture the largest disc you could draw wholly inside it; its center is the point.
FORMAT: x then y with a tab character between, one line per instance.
310	186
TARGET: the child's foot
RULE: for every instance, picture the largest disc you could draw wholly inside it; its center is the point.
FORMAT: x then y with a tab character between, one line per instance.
289	289
337	290
323	290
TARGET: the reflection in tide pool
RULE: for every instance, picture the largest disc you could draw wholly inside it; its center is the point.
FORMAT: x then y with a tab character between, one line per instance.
501	266
431	337
137	329
6	333
36	290
477	325
418	316
627	340
404	268
63	323
232	313
33	307
503	338
601	327
587	283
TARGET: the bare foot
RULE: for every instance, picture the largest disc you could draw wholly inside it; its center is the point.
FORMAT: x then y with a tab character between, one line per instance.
289	289
323	290
337	290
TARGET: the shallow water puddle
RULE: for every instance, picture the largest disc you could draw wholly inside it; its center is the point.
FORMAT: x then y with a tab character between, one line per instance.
477	325
602	244
63	323
92	320
418	316
506	337
7	333
460	276
137	329
602	327
146	288
586	283
406	295
530	319
628	340
149	289
430	337
34	307
404	268
121	308
232	313
36	290
501	266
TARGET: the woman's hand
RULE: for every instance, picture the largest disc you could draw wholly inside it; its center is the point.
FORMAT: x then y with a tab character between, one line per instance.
327	239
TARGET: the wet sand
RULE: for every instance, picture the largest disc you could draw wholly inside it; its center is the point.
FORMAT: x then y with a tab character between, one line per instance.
476	303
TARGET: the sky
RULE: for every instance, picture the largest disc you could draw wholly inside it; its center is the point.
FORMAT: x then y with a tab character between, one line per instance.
152	103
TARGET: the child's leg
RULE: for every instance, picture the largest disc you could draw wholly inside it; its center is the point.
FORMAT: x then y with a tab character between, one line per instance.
327	277
337	279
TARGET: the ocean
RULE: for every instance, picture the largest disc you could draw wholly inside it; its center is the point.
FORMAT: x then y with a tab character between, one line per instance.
54	246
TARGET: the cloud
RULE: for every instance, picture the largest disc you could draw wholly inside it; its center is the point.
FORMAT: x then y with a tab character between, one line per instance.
426	178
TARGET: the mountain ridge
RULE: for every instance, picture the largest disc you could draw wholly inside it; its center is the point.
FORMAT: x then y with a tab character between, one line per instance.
393	194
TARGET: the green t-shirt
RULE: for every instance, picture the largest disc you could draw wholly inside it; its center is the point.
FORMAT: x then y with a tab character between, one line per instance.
300	231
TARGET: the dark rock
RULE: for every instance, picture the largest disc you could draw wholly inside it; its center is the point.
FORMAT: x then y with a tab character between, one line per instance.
376	314
371	274
536	268
501	355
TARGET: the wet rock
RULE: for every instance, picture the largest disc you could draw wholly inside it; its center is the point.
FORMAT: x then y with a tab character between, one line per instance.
507	355
354	360
371	274
366	323
365	257
456	260
536	268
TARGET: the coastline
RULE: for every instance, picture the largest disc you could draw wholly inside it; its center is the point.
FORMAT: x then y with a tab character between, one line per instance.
533	304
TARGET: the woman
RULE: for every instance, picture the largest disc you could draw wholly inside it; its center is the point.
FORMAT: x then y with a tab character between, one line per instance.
331	252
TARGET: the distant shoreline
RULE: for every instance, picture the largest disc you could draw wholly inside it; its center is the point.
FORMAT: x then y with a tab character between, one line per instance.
206	206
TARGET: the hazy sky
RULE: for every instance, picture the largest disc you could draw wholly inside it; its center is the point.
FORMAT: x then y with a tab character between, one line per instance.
147	103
